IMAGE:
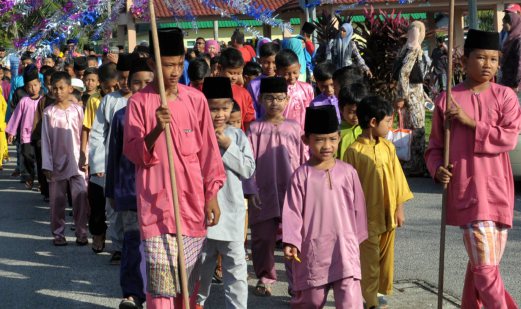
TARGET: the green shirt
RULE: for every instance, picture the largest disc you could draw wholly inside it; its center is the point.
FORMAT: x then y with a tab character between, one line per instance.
348	135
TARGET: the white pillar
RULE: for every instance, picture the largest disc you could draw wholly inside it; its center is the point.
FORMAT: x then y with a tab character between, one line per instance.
459	38
216	30
498	16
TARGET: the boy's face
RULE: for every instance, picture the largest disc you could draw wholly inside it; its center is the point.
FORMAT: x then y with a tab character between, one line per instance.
268	65
62	91
33	87
26	62
349	114
7	73
274	103
232	73
322	147
235	120
172	67
336	88
91	63
123	82
70	70
91	82
109	86
382	128
220	110
290	73
326	87
140	80
79	74
49	62
481	65
47	82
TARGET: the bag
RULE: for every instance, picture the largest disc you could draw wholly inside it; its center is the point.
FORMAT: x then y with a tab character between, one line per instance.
401	138
416	75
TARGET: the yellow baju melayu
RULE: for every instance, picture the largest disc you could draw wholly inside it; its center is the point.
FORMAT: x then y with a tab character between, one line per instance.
90	110
385	187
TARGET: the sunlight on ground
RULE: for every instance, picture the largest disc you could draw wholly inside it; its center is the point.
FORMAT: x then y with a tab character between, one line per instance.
12	275
10	262
88	298
23	236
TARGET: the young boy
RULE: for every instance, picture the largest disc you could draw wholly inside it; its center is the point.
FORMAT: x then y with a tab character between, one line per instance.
251	71
323	74
227	238
22	121
91	81
348	99
61	130
231	65
120	190
278	152
385	189
198	70
300	94
80	65
92	61
267	53
236	116
324	249
487	118
345	76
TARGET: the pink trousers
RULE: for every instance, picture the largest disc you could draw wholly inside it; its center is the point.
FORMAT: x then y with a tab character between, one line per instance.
263	240
171	302
347	292
485	243
58	203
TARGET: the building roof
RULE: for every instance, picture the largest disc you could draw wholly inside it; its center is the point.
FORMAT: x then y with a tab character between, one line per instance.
198	9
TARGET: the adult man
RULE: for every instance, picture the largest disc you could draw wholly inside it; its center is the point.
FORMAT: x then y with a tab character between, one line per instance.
306	32
199	44
199	172
439	63
238	42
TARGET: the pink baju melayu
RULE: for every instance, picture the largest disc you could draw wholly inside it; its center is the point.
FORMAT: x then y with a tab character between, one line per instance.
278	152
482	186
61	129
22	118
300	96
324	217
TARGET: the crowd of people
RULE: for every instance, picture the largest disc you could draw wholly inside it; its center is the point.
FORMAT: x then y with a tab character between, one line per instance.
263	140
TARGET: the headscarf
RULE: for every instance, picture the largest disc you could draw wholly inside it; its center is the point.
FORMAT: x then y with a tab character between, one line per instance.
341	46
415	37
262	41
213	43
295	45
514	33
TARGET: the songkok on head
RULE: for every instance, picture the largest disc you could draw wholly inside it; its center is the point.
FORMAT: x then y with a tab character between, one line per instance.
170	42
30	73
321	120
477	39
139	65
217	88
80	63
124	62
72	41
273	85
308	28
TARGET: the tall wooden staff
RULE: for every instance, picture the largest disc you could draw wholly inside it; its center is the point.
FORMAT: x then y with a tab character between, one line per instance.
446	149
169	147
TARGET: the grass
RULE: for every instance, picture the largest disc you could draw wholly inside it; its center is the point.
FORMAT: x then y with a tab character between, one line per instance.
428	125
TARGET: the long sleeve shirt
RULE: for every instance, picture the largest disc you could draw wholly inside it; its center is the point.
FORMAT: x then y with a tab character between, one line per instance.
384	184
322	100
300	96
324	216
238	164
482	186
61	130
254	90
348	135
199	169
23	119
243	98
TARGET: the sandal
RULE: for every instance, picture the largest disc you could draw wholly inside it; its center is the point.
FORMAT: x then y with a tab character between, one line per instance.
218	274
98	243
262	289
29	184
82	241
59	242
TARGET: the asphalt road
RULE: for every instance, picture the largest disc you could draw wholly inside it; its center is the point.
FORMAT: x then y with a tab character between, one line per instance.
35	274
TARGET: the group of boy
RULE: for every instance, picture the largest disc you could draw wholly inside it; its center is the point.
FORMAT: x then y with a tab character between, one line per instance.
338	216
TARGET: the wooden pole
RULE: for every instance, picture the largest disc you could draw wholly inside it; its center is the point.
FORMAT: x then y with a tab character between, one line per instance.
446	156
170	147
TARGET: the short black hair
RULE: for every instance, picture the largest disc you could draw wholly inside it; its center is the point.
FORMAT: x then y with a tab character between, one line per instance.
285	58
440	39
348	74
238	36
214	60
200	38
236	107
44	69
252	68
48	72
27	56
373	107
58	76
268	50
92	58
205	56
352	94
231	58
107	72
324	71
90	71
77	94
198	69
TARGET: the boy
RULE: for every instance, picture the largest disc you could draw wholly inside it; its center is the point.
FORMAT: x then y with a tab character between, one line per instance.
91	80
323	74
80	65
198	183
300	94
61	130
349	98
236	116
324	249
345	76
480	199
251	71
120	190
385	189
198	70
227	238
22	121
92	61
231	65
267	53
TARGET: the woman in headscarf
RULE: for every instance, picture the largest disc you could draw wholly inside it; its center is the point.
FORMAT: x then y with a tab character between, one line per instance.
410	89
511	60
343	49
212	48
295	45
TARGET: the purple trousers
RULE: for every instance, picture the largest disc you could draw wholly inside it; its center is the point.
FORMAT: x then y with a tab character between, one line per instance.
347	292
263	241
